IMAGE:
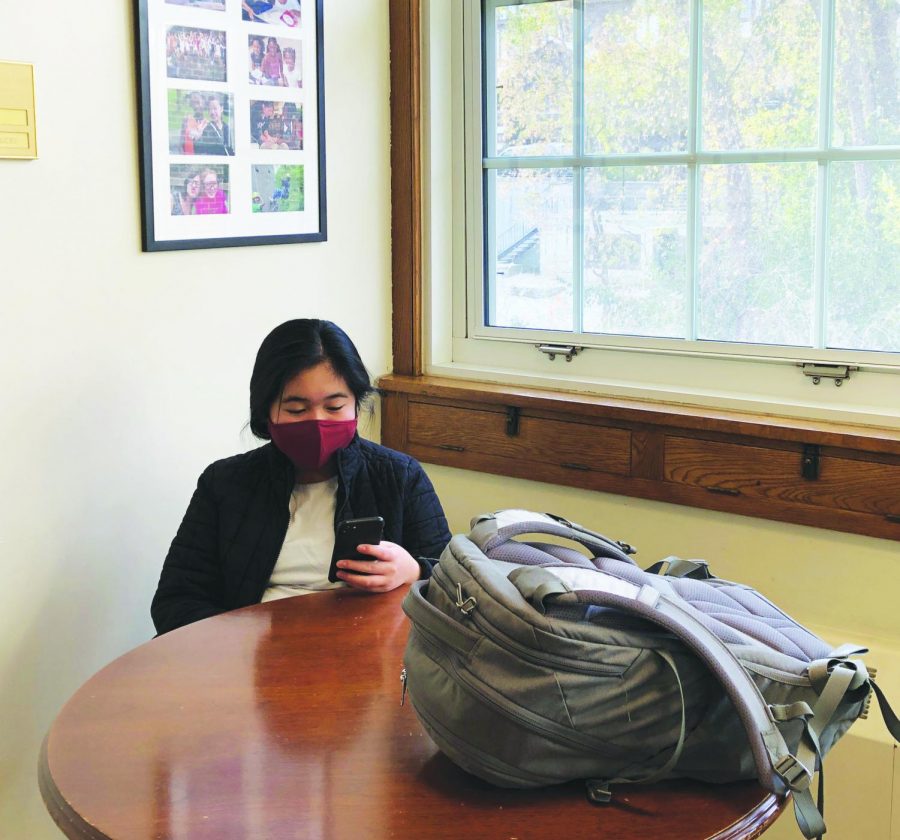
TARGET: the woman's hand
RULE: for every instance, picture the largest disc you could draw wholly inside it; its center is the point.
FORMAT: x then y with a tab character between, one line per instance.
391	566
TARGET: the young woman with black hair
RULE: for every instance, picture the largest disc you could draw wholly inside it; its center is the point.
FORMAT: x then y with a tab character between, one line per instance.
262	525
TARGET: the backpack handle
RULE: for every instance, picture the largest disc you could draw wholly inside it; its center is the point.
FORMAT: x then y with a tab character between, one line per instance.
491	531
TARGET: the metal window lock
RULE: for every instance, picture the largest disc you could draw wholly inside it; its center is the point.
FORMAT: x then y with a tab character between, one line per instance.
819	372
554	350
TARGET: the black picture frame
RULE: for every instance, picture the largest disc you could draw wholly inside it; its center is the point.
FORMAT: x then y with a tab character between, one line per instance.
243	171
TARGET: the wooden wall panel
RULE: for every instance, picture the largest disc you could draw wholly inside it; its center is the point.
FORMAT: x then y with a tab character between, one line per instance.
578	446
667	457
766	473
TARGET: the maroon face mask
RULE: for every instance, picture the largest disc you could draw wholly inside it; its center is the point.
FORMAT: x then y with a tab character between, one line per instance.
311	443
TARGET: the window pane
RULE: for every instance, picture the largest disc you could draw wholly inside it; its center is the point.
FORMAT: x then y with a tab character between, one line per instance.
867	73
756	253
534	58
636	63
531	251
634	251
864	257
760	74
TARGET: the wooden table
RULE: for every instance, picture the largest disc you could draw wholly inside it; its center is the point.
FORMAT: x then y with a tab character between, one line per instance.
283	720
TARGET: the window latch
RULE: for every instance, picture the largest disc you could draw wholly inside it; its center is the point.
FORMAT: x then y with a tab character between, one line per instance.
819	372
554	350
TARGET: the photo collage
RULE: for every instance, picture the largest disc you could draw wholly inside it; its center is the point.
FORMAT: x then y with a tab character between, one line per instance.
234	100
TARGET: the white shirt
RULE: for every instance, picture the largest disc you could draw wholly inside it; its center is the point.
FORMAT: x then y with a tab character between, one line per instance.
293	77
302	564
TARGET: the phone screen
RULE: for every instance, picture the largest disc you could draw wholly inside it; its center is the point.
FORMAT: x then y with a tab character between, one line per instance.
351	533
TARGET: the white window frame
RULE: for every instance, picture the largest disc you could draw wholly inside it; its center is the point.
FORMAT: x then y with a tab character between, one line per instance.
720	375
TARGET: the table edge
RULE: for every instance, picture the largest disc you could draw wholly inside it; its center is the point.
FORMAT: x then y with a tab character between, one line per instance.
758	819
67	819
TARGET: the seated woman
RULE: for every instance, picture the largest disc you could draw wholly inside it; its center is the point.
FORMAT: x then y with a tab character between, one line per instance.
262	525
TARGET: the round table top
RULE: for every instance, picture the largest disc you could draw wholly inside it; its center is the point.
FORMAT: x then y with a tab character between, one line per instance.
283	720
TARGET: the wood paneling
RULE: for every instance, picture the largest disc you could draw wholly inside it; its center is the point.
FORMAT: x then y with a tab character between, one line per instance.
577	446
749	465
578	405
775	474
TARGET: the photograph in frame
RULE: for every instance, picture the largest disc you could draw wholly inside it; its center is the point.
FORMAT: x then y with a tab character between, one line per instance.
275	12
277	189
273	61
232	122
276	125
199	190
200	122
196	54
212	5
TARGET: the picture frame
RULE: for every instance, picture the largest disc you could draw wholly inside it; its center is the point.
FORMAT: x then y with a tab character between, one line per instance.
231	122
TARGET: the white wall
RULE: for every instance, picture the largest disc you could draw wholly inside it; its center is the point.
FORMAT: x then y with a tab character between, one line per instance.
123	374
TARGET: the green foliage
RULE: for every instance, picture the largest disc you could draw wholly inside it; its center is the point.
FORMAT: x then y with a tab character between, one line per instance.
636	76
760	75
534	76
864	255
759	90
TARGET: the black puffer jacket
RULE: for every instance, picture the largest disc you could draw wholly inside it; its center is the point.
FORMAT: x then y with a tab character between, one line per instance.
225	550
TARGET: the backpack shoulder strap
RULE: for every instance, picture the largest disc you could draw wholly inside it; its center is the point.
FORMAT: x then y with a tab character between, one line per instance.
490	530
777	769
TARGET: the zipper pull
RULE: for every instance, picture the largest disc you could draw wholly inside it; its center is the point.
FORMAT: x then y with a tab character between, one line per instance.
465	605
403	686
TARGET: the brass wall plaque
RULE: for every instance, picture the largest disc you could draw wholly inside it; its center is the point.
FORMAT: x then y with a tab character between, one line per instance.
18	138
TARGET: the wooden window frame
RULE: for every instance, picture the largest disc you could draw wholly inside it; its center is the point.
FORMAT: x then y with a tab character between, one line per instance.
406	185
650	424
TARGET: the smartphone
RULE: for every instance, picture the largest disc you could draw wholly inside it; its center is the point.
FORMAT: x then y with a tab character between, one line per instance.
351	533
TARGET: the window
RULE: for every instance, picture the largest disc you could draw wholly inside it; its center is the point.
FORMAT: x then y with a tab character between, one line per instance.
701	195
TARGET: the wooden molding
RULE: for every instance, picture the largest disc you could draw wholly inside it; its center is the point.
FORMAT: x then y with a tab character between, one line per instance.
586	406
752	465
406	185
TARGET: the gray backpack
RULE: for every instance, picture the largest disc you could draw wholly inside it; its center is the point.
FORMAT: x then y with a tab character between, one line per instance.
530	664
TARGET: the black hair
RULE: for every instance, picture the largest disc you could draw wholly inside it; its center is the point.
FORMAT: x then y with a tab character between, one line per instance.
295	346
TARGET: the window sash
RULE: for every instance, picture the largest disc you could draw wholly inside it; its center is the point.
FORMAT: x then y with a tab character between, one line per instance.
480	140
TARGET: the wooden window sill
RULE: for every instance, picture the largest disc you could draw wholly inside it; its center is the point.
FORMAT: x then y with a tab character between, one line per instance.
827	475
